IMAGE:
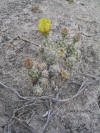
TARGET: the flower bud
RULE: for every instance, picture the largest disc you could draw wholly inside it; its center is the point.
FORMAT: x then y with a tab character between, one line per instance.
28	62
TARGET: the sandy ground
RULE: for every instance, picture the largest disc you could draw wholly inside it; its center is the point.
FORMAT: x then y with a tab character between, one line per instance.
18	21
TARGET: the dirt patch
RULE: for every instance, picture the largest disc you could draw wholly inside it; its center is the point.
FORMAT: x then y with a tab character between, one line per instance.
20	39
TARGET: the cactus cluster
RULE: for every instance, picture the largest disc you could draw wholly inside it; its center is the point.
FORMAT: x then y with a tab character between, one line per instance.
55	59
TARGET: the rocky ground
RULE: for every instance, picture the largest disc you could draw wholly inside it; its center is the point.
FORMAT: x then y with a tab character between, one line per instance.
19	37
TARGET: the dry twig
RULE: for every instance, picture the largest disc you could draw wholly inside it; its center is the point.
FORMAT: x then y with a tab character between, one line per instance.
13	90
47	122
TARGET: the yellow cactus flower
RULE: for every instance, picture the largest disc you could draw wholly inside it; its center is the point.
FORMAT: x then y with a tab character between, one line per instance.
61	52
44	25
64	74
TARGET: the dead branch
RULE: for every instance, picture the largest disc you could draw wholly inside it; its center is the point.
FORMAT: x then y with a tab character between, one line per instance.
13	90
47	122
23	39
81	89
